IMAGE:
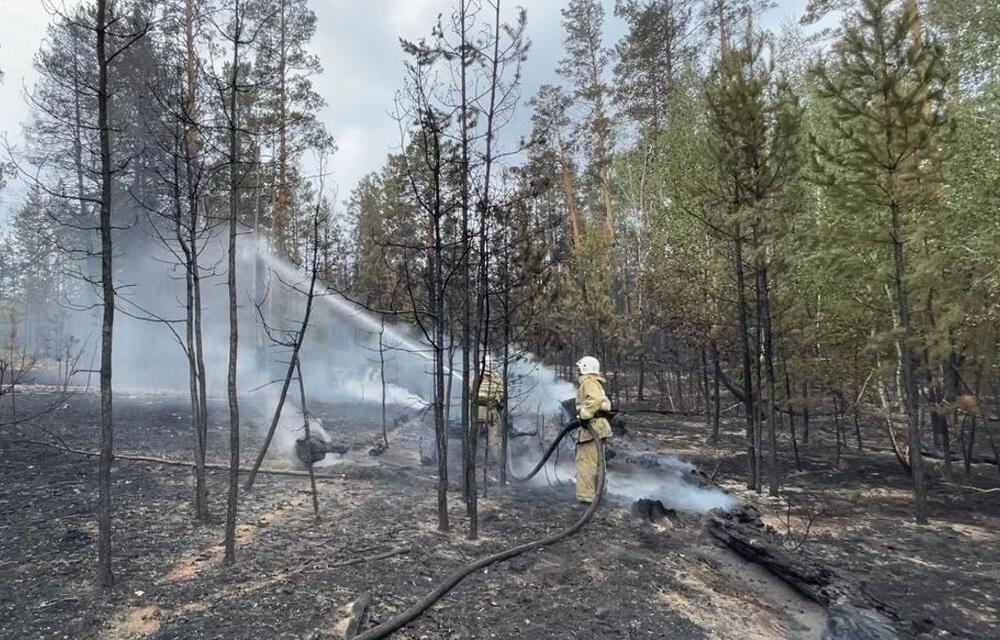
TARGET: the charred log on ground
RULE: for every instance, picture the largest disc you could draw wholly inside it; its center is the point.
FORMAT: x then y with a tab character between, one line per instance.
854	614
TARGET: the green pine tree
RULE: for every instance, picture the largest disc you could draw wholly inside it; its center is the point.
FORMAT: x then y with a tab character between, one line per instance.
881	161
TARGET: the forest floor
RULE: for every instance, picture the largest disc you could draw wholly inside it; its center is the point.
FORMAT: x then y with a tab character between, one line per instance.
858	519
621	577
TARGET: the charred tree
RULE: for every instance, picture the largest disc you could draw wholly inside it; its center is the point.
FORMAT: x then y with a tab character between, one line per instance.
231	93
294	342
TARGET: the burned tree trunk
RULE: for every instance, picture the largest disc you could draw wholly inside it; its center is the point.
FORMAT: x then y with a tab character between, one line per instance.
468	422
193	175
706	394
234	208
200	491
791	419
907	365
295	344
308	432
748	397
104	575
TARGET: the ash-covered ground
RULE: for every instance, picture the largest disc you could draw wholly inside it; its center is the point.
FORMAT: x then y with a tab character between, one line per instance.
622	577
943	579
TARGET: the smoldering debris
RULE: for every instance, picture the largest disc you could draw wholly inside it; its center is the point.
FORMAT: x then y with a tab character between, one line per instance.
651	510
675	491
313	449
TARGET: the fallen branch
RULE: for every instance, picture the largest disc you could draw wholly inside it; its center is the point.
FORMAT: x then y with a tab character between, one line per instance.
968	488
396	551
243	592
357	612
293	363
53	406
933	455
173	463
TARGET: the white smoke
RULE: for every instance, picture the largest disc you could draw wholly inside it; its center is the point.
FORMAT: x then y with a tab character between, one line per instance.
672	489
665	478
340	356
341	364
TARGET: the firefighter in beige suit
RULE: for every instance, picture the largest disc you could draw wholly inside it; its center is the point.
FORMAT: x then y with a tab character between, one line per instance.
590	400
488	402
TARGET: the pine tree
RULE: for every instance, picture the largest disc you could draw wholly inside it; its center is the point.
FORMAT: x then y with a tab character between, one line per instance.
890	113
286	110
756	119
650	57
584	67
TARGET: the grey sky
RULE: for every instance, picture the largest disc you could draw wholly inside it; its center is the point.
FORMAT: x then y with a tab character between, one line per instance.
357	41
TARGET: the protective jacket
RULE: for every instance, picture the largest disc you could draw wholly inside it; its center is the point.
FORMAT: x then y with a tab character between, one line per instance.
491	392
590	398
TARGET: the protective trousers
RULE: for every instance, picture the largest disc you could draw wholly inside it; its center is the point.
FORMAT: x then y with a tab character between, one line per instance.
586	471
489	419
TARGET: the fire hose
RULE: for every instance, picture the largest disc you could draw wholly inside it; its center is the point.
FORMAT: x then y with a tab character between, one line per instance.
417	609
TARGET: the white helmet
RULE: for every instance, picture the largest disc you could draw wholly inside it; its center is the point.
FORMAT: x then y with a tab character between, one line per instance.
588	365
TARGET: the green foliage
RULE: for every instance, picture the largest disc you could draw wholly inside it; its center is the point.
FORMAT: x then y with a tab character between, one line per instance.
889	110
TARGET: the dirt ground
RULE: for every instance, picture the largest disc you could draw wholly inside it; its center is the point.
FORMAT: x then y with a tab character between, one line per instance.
622	577
295	578
943	577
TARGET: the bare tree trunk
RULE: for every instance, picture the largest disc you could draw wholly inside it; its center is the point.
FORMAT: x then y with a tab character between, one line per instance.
836	426
104	575
468	422
791	419
706	393
450	380
189	245
200	491
857	422
887	412
234	208
774	479
744	323
440	428
505	401
381	371
282	200
308	429
569	194
955	362
716	397
679	385
85	216
805	412
909	391
641	392
296	345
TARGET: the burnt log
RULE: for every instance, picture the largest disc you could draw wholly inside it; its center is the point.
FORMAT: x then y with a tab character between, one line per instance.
847	622
854	613
313	449
357	612
651	510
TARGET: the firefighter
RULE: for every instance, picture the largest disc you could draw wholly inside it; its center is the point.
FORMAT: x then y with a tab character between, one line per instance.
488	403
591	401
